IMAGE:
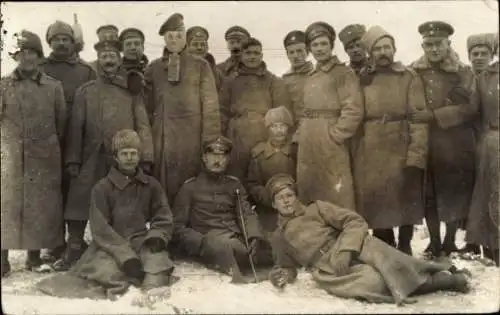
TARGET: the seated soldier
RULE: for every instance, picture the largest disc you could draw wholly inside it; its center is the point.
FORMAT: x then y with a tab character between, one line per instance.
131	225
274	156
208	213
344	259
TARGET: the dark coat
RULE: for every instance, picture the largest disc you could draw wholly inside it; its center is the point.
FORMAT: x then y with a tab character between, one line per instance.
378	272
32	123
448	92
244	102
183	115
207	204
387	147
103	107
228	67
265	162
124	213
295	80
333	110
482	228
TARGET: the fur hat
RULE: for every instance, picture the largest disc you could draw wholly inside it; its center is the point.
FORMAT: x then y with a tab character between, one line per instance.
485	39
125	138
351	33
278	115
372	36
59	28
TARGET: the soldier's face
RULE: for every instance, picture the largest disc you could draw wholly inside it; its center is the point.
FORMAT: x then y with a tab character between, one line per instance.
436	49
133	48
383	52
198	47
28	60
297	54
127	159
355	51
109	61
234	45
278	132
175	41
285	201
216	162
480	57
321	48
62	45
252	56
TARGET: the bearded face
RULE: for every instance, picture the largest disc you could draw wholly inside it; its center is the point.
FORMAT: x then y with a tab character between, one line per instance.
383	52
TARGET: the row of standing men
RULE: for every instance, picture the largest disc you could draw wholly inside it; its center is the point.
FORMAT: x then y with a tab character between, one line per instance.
350	132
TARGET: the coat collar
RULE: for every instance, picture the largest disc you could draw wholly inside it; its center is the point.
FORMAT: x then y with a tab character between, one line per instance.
117	79
142	63
283	220
493	67
260	71
396	67
231	63
304	69
450	64
38	77
269	150
121	181
72	60
328	66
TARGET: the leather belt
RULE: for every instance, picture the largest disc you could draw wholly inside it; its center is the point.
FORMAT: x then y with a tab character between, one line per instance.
322	250
320	113
386	118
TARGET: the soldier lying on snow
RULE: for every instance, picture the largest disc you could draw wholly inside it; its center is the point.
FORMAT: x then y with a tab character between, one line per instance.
344	259
124	251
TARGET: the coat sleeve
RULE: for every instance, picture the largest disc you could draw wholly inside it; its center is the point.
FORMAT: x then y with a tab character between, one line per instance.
185	235
352	226
254	183
60	112
143	128
419	133
149	92
225	104
249	216
74	139
462	110
209	103
351	107
103	234
162	225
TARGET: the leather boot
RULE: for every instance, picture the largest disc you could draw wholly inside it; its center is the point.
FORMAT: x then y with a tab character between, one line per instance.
445	281
491	254
71	256
386	235
33	260
5	263
449	245
404	239
53	254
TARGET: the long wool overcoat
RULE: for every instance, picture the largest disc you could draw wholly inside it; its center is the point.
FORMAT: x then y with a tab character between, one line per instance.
377	273
245	100
450	177
483	221
294	81
102	108
333	110
32	121
184	114
388	144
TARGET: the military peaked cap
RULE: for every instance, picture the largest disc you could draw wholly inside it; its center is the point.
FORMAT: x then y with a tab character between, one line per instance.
236	31
436	29
107	45
294	37
279	182
131	32
174	23
197	32
218	144
318	29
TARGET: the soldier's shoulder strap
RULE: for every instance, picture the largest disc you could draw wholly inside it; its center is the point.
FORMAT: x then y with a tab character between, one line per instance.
258	149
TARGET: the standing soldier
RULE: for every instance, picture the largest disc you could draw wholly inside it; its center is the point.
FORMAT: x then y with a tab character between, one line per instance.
333	110
392	149
102	107
63	65
245	101
483	224
234	37
185	108
197	45
32	123
448	85
350	37
104	33
295	78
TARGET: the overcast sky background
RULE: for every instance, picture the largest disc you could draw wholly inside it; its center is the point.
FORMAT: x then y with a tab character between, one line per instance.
267	20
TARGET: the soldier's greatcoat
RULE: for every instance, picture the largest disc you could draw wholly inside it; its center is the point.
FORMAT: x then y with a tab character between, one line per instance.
294	81
32	123
450	177
389	144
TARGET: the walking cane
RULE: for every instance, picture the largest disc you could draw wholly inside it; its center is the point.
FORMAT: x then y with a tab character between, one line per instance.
245	236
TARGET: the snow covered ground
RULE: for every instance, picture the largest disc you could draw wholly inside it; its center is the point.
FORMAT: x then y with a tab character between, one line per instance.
204	291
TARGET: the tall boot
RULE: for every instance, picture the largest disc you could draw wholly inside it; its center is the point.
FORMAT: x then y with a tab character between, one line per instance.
386	235
75	248
5	262
491	254
433	250
449	245
444	281
33	260
404	239
470	248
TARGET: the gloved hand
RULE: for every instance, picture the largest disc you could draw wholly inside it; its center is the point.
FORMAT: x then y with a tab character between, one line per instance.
342	262
147	167
133	268
73	169
135	82
422	116
278	277
155	244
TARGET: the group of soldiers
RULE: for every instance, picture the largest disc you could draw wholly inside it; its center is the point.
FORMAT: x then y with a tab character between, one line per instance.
394	143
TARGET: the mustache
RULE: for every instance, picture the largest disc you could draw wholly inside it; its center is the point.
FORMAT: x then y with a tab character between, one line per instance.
384	57
109	64
235	50
62	48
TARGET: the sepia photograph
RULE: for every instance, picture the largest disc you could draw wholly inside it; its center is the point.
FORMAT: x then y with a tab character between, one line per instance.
250	157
